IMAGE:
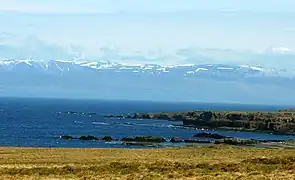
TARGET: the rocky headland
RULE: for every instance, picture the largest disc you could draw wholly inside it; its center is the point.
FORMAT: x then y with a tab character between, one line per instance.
279	122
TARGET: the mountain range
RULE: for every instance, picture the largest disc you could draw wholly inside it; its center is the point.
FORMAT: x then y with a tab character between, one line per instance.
203	82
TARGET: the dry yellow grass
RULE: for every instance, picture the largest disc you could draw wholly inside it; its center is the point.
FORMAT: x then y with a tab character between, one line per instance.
218	162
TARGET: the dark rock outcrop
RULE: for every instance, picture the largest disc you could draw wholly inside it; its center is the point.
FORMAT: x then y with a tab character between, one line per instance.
145	139
209	135
107	138
143	144
88	138
67	137
176	140
163	116
196	141
236	141
143	116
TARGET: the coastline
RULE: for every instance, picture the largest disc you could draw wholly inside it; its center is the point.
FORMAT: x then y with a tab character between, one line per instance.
277	122
201	139
214	162
239	130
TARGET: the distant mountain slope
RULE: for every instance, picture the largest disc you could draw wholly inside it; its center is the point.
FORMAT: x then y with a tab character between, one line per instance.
107	79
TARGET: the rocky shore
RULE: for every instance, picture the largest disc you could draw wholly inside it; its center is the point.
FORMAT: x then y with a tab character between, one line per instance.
200	138
280	122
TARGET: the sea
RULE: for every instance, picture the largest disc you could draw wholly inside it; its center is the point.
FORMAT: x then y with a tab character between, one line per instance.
40	122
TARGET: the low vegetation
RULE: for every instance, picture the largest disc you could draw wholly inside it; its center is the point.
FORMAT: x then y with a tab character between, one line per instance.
214	162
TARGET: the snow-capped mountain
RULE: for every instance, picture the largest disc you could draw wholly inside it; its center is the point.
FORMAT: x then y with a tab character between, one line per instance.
62	67
107	79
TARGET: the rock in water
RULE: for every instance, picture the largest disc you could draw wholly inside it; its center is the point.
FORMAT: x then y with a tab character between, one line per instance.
236	141
196	141
88	138
67	137
209	135
107	138
145	139
175	140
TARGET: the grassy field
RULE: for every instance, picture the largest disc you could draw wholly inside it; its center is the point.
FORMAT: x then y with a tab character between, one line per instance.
216	162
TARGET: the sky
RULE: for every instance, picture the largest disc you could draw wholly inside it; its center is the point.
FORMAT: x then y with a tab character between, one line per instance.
143	25
108	6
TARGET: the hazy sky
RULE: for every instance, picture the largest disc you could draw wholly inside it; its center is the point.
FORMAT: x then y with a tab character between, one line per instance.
151	24
103	6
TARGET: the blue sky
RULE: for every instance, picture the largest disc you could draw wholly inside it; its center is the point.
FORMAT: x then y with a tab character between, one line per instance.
149	24
104	6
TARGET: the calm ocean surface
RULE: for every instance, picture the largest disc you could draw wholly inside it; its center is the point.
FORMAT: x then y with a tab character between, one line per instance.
40	123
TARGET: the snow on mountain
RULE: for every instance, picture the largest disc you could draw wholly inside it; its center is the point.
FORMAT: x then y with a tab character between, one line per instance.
112	80
108	69
281	50
62	66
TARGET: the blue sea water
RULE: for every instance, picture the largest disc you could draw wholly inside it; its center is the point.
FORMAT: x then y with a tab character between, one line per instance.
40	122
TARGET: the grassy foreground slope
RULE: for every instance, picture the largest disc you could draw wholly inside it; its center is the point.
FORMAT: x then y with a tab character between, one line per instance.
216	162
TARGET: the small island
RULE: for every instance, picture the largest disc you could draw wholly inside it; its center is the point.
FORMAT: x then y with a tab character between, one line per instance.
278	122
